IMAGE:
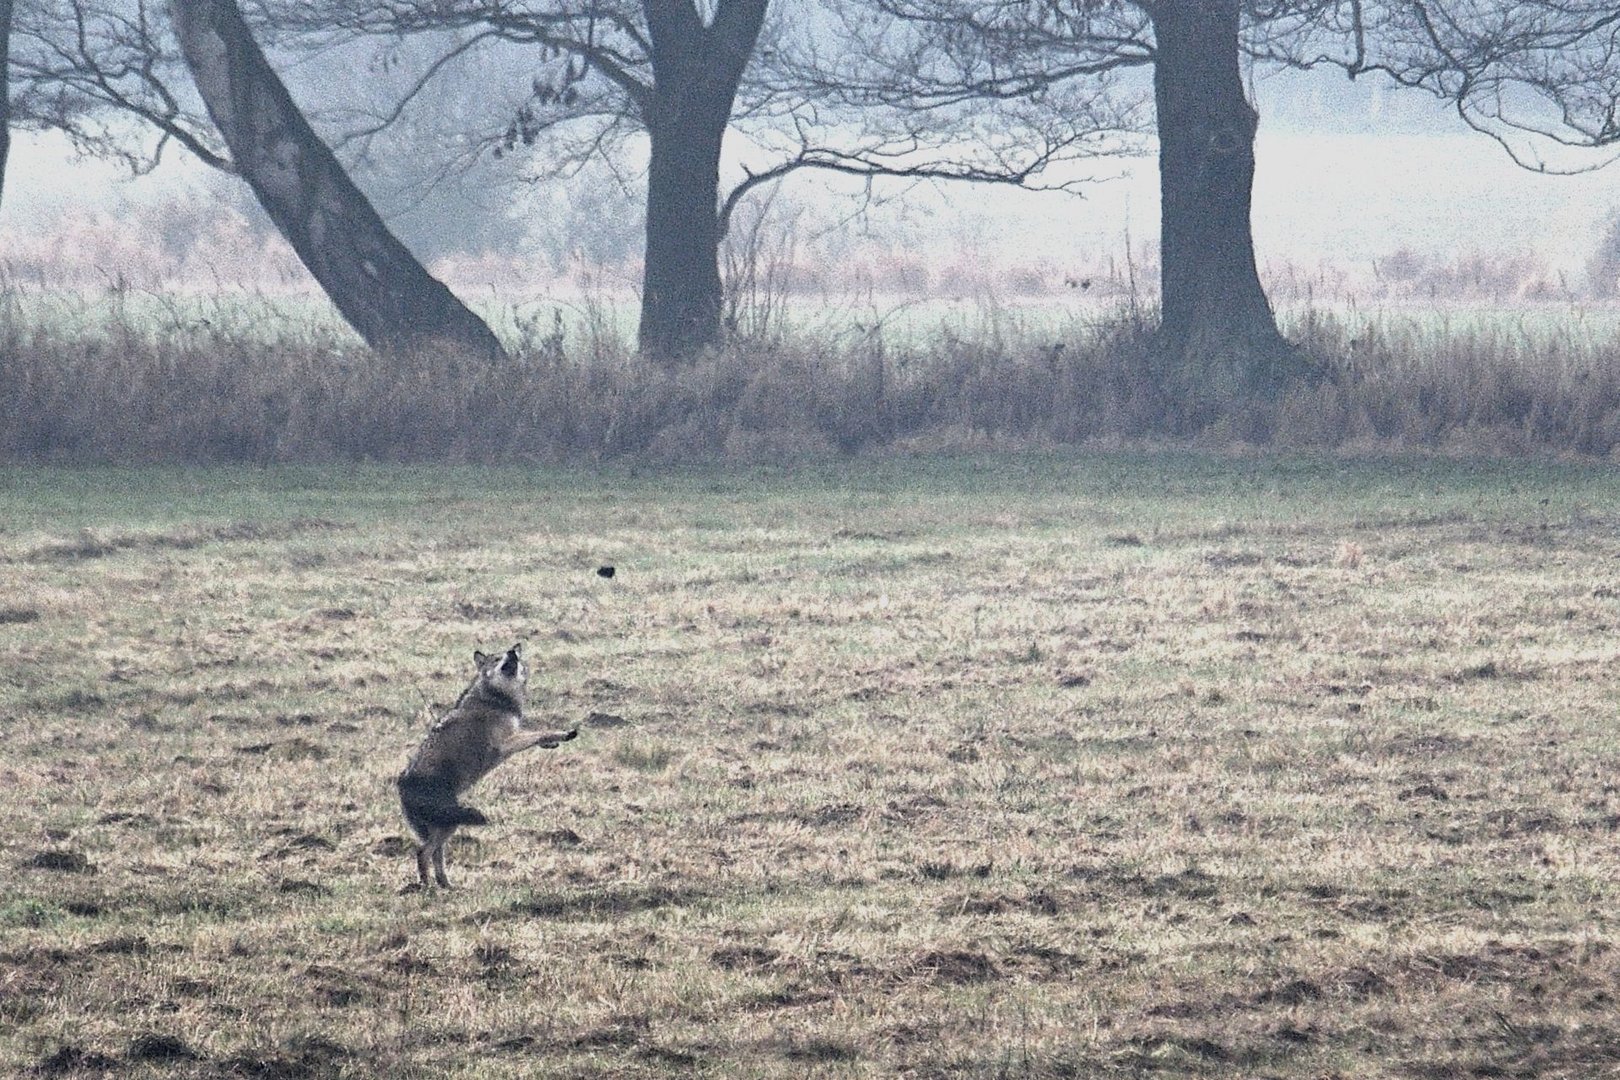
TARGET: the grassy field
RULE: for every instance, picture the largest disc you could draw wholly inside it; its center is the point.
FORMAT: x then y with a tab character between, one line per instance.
999	766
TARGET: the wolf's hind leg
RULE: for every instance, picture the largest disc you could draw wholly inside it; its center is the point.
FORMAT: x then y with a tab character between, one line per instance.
439	839
422	855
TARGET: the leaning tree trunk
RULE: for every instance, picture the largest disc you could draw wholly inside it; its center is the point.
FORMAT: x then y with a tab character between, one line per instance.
1218	335
382	290
696	71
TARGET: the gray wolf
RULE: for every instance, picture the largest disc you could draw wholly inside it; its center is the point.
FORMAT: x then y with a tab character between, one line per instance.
483	729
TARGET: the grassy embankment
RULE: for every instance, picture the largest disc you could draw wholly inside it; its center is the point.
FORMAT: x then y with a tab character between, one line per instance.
1005	766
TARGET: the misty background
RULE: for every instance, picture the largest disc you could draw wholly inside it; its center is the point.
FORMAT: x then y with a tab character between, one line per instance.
1363	193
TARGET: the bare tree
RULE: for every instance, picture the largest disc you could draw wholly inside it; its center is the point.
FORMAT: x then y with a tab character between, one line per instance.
384	293
1215	317
1216	321
696	70
606	71
1545	70
683	73
86	66
1538	76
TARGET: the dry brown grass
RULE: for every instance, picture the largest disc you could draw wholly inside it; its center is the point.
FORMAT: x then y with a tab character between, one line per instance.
1007	766
193	383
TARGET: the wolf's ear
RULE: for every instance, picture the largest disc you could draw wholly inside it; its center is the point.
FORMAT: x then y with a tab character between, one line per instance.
480	659
517	650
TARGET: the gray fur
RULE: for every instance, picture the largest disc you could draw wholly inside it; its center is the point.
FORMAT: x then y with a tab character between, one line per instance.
483	729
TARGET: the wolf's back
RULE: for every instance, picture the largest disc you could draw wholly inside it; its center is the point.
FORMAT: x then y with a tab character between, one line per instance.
430	803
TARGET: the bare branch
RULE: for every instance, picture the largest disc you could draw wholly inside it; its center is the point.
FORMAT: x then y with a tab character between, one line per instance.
1532	76
891	161
75	60
412	92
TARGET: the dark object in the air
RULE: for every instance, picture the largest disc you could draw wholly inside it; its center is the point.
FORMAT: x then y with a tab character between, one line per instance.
604	571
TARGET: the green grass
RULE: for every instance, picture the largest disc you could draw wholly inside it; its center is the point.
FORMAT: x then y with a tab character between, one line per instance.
1030	765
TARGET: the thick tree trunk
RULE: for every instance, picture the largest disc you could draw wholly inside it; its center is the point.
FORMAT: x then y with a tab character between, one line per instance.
379	286
696	71
681	290
1218	334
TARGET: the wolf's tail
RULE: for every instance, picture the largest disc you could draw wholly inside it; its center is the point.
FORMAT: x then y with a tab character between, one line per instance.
430	803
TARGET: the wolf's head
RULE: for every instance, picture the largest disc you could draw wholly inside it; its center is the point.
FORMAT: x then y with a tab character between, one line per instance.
504	674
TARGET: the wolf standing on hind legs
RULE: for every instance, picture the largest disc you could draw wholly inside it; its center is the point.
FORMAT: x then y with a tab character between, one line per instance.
481	731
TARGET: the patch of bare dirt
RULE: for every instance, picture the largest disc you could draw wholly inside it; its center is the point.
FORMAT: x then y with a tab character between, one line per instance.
750	958
956	966
60	860
1035	901
819	1051
1043	961
308	1058
792	996
607	902
157	1048
69	1059
1189	884
945	869
627	1031
830	815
